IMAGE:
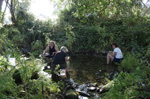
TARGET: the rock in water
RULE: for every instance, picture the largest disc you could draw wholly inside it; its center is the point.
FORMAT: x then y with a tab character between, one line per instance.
106	87
71	94
82	97
83	93
91	88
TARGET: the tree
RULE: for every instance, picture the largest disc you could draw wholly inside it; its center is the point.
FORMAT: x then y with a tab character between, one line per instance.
15	7
12	6
147	9
106	8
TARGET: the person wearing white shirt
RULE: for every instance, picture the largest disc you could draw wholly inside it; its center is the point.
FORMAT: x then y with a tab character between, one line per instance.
116	55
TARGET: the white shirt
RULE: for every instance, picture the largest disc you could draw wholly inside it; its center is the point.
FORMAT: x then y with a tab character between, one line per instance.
119	53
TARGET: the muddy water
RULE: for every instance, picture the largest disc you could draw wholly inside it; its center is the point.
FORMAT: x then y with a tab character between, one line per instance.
86	68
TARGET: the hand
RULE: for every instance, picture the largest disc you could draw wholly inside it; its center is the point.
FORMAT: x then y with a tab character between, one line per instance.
43	54
53	53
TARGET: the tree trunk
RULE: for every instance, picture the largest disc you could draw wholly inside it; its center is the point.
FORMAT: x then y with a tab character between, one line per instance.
1	3
12	11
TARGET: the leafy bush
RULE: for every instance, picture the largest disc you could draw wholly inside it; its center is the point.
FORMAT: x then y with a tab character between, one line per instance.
131	85
92	33
28	88
37	47
129	63
125	87
18	40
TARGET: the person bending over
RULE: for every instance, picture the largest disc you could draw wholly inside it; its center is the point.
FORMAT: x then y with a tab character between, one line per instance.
116	55
50	51
61	59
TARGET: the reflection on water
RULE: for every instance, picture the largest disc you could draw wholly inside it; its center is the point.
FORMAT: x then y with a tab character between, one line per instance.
84	68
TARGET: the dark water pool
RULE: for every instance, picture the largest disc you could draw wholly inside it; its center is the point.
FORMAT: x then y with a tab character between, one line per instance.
86	68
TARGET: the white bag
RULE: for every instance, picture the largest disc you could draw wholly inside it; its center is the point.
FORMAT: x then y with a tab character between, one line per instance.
12	61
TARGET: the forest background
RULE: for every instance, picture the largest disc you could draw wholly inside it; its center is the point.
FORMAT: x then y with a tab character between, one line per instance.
83	26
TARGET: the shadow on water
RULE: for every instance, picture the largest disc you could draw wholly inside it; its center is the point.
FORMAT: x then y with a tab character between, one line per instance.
86	68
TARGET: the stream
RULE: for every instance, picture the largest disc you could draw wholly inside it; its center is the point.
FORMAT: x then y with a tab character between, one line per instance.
87	76
86	68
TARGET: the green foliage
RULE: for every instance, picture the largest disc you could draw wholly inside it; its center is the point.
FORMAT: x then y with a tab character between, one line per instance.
14	35
18	40
25	68
148	52
7	84
107	8
133	83
125	87
3	63
130	63
27	34
89	38
54	88
37	47
130	85
83	28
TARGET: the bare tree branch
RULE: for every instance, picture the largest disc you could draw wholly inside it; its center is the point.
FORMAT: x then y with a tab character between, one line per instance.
8	5
146	11
147	1
144	4
4	11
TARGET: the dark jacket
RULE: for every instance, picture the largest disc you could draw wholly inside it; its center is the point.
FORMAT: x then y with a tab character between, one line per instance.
59	58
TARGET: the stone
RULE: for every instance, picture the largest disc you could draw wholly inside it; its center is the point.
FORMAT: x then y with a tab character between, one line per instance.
91	88
71	94
94	84
82	97
83	93
106	87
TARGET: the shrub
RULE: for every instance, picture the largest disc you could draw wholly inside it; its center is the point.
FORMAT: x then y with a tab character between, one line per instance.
125	87
129	63
37	47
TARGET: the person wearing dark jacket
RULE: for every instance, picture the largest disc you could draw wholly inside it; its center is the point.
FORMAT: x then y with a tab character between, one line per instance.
62	60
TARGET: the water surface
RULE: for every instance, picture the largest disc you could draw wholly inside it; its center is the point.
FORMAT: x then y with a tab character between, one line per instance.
86	68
